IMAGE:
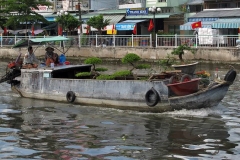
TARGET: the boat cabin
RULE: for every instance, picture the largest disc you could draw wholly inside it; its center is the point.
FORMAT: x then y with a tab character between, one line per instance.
65	71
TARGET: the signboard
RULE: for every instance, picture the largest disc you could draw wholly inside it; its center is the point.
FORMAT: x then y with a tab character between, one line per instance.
40	8
125	26
136	11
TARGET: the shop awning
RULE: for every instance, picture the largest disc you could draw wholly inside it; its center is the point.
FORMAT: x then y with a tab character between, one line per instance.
128	24
227	23
188	25
218	13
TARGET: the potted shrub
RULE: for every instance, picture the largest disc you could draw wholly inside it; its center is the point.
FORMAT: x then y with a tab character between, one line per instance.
185	67
132	59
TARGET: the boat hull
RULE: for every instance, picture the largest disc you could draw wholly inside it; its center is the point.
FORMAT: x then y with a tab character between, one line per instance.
207	97
120	94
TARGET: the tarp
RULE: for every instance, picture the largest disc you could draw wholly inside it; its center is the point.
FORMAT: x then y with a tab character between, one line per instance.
37	41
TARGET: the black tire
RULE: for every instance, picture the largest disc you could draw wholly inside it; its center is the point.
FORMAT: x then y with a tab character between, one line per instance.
185	78
230	76
173	80
70	96
152	98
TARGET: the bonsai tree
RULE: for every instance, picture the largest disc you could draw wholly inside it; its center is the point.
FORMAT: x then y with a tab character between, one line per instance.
95	71
180	51
132	59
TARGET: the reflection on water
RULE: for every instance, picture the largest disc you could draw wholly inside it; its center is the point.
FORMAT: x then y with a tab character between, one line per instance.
35	129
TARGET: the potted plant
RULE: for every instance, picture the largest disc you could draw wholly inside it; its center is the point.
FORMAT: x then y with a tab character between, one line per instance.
94	71
187	68
171	62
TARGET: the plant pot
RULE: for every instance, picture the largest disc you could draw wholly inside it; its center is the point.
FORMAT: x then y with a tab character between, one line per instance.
186	68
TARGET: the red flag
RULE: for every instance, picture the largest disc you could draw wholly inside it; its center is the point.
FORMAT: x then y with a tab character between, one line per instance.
113	28
60	30
135	29
151	25
33	30
197	25
5	31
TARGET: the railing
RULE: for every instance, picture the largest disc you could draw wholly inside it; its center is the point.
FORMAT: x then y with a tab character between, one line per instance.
199	41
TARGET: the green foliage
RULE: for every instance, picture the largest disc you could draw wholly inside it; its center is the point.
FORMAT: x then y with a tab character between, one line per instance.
105	77
122	73
180	51
84	39
69	22
24	10
130	58
93	60
101	69
143	66
83	74
167	63
98	22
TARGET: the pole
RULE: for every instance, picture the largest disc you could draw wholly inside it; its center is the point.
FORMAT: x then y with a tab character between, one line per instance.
154	31
154	23
80	16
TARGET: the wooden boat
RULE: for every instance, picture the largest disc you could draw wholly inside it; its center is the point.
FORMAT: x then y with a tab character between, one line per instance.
60	84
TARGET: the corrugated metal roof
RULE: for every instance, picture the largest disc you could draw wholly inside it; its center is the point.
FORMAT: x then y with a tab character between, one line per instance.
218	13
195	2
113	18
227	23
188	25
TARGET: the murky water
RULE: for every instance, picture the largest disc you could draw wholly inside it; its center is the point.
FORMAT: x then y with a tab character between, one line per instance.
35	129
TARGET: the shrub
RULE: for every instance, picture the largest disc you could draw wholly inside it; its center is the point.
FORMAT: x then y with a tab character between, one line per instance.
122	73
83	74
105	77
130	58
101	69
143	66
93	60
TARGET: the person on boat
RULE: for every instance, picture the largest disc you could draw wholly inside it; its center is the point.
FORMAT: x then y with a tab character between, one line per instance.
30	60
51	57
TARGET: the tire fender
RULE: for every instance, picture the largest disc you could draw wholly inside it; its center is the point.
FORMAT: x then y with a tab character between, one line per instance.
152	97
230	76
70	96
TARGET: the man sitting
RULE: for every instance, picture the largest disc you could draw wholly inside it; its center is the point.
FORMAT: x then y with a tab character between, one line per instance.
30	60
51	57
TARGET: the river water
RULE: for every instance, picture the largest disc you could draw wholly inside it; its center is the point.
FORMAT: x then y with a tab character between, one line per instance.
36	129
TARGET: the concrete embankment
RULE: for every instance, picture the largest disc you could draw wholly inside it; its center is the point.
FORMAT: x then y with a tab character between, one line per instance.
223	55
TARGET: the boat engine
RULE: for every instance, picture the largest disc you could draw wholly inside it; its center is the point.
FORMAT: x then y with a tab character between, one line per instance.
13	70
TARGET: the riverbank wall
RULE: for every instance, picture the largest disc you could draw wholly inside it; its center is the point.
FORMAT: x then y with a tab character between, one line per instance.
147	54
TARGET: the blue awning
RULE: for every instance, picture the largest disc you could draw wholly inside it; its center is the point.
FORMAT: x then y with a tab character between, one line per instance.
227	23
50	19
127	25
188	25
